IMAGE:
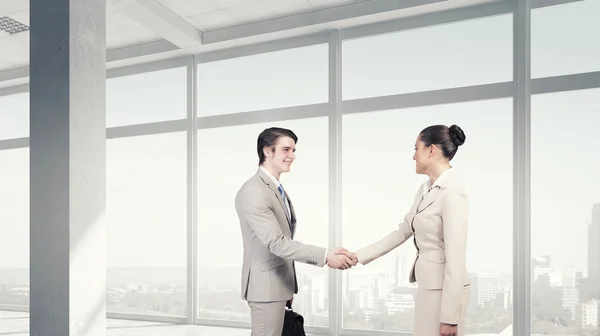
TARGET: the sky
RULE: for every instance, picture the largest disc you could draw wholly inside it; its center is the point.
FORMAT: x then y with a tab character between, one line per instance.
146	175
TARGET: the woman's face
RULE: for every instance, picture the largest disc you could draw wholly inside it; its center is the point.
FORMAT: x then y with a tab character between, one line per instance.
422	156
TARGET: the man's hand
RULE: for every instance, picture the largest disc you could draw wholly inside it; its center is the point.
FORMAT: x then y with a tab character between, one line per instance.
448	330
339	261
350	255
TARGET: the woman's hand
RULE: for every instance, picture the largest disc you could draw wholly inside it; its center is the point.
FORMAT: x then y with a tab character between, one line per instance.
448	330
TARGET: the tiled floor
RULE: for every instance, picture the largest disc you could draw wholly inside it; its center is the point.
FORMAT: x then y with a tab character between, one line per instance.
17	324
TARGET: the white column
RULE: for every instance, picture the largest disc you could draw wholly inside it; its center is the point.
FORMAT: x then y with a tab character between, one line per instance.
68	167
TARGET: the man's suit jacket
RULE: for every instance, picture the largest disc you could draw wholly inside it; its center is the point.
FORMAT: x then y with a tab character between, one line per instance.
438	223
268	270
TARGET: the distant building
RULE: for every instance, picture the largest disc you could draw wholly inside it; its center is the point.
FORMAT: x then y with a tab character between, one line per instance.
484	288
587	314
594	251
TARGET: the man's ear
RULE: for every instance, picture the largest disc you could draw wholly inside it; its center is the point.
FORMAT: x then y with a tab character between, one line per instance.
267	151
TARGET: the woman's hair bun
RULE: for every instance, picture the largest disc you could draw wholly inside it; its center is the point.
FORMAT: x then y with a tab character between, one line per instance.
457	135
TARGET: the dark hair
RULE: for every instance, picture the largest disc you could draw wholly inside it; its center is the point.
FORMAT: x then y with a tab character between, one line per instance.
447	138
269	137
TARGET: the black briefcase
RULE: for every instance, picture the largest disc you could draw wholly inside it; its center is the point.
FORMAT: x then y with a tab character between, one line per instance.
293	323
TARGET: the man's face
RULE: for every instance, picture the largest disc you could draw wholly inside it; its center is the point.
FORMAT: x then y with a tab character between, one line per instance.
280	159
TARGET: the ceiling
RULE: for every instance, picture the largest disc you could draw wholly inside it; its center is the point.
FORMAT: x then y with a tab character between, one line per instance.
146	30
123	31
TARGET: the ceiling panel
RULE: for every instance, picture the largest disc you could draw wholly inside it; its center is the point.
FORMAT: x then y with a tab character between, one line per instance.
117	21
319	4
14	50
15	58
185	8
252	12
5	66
111	6
122	31
130	37
14	43
118	39
13	6
21	16
212	20
143	34
287	7
224	4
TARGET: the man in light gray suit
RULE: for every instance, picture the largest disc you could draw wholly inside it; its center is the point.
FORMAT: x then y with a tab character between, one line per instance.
268	224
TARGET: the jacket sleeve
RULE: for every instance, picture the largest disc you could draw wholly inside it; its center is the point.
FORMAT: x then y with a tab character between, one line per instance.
254	208
387	243
455	215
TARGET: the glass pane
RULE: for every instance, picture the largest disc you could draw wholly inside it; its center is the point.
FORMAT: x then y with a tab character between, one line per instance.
564	39
147	224
226	159
379	186
277	79
565	213
147	97
14	226
452	55
14	116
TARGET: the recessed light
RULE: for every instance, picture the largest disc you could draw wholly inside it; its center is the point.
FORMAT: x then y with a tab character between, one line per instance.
11	26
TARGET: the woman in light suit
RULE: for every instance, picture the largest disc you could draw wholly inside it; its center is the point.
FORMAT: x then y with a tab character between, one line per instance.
437	222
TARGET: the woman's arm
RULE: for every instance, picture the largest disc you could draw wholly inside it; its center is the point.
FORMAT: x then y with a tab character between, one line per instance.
455	218
386	244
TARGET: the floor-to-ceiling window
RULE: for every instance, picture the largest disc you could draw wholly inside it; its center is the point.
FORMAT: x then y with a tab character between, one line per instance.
146	190
383	82
565	162
14	200
237	99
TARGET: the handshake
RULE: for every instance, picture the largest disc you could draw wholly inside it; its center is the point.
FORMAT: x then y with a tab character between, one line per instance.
341	259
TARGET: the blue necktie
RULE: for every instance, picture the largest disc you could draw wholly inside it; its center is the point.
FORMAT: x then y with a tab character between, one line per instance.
285	205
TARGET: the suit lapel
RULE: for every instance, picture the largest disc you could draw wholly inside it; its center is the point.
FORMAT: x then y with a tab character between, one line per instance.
281	202
292	214
428	200
435	191
267	180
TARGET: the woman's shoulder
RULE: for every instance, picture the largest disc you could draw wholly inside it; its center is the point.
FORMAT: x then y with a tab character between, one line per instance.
456	189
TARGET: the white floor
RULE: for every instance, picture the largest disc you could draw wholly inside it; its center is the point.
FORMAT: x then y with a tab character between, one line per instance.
17	324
